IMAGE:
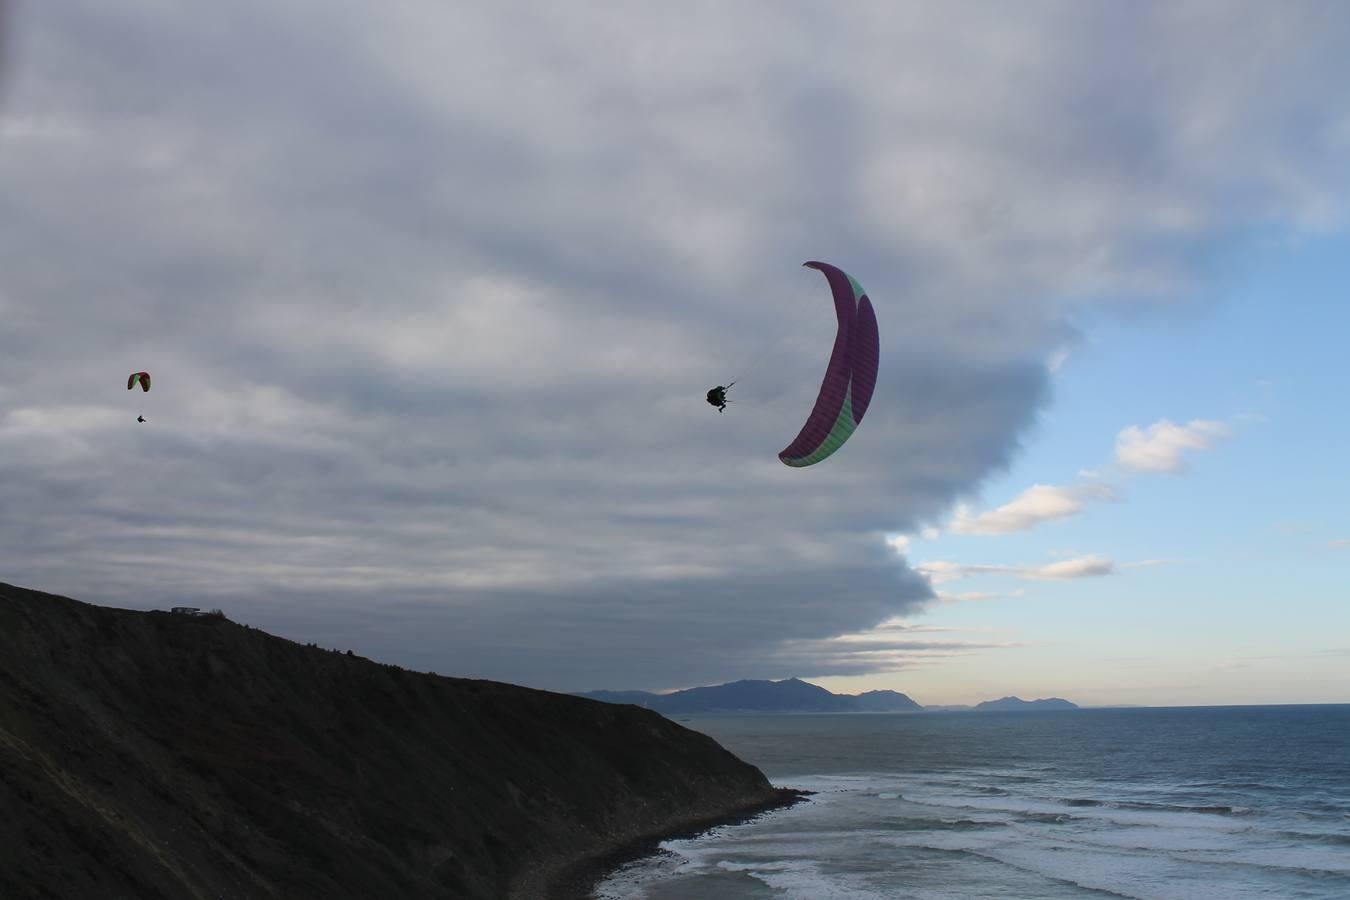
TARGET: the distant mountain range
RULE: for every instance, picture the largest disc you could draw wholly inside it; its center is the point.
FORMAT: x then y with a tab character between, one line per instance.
1017	704
790	695
793	695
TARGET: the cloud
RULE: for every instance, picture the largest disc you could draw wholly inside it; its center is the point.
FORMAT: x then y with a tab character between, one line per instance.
978	596
1150	563
1159	447
431	300
941	571
1081	567
903	543
834	658
1340	543
889	647
1038	503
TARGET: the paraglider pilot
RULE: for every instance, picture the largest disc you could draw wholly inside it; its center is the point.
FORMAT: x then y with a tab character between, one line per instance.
718	396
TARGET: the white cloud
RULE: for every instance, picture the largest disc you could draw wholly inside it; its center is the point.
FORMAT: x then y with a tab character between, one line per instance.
1159	447
1149	563
940	571
903	543
1038	503
1082	567
1091	566
899	543
976	596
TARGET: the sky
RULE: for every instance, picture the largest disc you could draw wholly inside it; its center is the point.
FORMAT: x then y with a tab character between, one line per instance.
432	292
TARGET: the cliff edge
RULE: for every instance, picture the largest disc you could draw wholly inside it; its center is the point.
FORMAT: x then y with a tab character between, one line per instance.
155	755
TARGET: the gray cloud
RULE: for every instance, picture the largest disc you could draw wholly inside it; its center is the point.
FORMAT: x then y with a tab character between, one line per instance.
432	297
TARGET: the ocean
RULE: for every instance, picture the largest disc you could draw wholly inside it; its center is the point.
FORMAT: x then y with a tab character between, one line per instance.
1204	802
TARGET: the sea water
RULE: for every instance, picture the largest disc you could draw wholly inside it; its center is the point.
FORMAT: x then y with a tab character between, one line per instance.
1196	803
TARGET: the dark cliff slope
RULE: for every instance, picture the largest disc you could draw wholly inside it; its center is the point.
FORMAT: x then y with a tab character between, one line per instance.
147	755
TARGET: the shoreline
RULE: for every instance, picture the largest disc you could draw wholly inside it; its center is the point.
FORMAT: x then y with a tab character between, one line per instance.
577	881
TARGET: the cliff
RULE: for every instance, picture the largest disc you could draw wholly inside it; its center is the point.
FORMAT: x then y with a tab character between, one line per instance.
152	755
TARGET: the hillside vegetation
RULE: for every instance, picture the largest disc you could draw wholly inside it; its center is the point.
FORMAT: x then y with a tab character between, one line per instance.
152	755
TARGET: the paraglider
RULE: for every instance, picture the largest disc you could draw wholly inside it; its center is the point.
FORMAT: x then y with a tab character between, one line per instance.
143	379
718	396
850	376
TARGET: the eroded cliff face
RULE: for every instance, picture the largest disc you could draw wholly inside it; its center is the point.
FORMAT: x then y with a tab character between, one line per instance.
148	755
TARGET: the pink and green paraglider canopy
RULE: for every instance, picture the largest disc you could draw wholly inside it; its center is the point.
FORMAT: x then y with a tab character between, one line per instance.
141	378
850	376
